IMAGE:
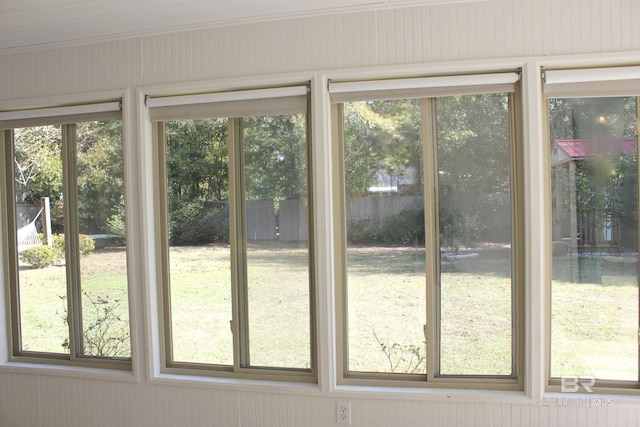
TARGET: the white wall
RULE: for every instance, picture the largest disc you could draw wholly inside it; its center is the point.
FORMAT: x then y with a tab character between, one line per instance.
452	38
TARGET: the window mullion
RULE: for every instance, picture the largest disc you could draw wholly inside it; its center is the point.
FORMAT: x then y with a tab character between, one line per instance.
237	227
637	132
342	342
311	238
72	255
7	139
430	170
162	228
517	239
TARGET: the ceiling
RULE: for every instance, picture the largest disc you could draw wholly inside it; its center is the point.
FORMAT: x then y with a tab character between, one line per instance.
29	24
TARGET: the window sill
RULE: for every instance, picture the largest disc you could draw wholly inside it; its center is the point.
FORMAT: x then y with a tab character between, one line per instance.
67	370
346	391
244	384
434	394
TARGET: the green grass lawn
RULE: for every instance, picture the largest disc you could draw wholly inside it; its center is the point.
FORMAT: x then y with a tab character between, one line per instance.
387	312
43	306
594	316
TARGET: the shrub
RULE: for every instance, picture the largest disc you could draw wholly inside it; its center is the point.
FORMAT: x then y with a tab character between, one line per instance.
365	231
57	241
40	257
44	256
86	245
403	229
116	223
199	222
106	326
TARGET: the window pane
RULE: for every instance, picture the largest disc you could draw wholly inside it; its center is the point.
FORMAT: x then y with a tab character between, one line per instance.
276	215
101	216
199	255
594	324
474	180
42	284
386	310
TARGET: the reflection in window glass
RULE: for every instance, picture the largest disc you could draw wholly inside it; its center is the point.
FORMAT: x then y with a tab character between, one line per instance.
594	173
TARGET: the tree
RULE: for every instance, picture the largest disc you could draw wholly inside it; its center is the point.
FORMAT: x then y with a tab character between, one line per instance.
473	134
197	160
275	157
100	177
38	168
275	168
591	118
382	145
197	177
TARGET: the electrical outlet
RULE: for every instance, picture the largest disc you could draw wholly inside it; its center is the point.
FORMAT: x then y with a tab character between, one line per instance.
343	413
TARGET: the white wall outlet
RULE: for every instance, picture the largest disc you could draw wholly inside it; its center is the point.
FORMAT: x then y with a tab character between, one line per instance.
343	412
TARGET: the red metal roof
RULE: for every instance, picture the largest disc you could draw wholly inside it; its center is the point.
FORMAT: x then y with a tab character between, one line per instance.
583	148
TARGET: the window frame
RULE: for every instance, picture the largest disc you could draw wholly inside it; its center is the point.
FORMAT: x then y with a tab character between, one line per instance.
65	116
235	102
567	83
428	93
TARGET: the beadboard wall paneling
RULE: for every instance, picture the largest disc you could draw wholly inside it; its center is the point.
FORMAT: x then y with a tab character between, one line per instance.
264	48
54	401
72	70
276	410
5	67
507	28
19	400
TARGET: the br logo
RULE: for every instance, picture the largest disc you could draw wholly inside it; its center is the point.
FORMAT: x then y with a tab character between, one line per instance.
572	384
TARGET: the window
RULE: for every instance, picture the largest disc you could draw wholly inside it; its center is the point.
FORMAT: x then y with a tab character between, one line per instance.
236	256
593	168
431	286
67	263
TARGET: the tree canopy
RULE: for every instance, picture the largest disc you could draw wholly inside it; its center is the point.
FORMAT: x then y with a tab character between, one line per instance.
38	173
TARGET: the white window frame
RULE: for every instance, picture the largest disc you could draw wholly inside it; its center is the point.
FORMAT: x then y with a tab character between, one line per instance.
65	115
595	82
428	89
232	105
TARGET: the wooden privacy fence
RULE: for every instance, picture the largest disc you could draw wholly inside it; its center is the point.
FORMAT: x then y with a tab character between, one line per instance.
380	207
262	222
292	216
294	221
493	211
